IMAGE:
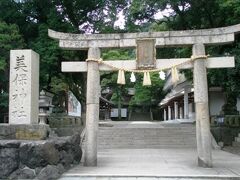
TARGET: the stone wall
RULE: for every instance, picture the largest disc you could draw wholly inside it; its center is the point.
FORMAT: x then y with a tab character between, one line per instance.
65	125
24	131
64	121
42	159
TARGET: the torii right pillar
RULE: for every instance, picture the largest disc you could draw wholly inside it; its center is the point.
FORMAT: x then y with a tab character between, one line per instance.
203	134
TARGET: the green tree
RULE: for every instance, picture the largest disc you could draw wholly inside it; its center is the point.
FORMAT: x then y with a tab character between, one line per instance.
191	14
144	95
9	39
35	17
148	95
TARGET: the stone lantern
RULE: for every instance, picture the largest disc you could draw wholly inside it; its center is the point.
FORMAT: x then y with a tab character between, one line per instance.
131	91
45	106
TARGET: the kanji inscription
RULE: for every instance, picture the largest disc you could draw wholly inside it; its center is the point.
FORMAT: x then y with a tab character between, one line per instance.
23	96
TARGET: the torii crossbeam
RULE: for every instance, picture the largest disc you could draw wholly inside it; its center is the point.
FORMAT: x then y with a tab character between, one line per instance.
195	38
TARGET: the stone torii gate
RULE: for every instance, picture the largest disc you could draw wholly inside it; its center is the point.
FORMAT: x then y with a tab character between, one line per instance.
195	38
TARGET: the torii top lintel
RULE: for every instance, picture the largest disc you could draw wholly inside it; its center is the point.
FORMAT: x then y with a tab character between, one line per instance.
221	35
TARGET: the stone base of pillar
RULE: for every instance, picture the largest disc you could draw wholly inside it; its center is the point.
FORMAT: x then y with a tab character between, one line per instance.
203	134
90	153
203	164
24	131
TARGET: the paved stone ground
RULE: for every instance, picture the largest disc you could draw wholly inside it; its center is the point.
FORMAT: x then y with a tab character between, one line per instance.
158	163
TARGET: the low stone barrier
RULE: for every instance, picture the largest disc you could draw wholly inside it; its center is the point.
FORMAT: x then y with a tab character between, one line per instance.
64	121
42	159
24	131
65	125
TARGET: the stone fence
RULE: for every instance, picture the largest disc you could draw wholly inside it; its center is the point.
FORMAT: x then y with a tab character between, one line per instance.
225	128
64	125
226	120
64	121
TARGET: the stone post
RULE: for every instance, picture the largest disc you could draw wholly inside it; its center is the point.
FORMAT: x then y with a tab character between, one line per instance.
92	102
24	87
175	110
164	114
186	111
181	112
202	109
190	110
169	113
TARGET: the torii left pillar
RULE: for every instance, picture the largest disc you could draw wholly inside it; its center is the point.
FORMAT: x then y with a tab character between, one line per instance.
92	102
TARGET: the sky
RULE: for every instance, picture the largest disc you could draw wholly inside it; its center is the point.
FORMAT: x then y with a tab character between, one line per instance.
159	15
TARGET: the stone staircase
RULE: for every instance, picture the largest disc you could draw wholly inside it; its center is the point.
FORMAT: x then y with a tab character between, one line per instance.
148	150
150	137
140	116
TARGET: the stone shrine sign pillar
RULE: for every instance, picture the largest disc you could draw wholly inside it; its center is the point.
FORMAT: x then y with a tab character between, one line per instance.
24	87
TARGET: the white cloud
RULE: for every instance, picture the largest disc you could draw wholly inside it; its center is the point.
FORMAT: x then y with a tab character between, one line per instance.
120	20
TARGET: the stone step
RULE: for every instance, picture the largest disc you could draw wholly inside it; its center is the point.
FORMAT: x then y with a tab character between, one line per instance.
141	146
151	136
194	177
147	147
172	134
145	142
136	137
145	134
146	131
140	136
117	139
181	136
146	128
125	145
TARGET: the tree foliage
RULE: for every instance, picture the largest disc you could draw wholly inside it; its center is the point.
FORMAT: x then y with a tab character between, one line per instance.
144	95
191	14
10	38
24	25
